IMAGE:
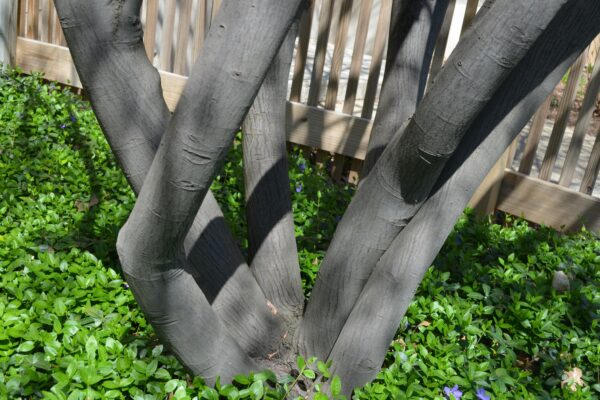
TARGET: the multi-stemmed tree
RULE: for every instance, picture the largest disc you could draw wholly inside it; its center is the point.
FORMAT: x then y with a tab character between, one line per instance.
223	315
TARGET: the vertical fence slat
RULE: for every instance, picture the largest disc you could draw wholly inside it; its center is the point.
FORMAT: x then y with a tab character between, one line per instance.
560	124
319	60
585	115
183	35
166	47
345	12
381	34
591	171
150	29
533	139
22	25
302	51
441	43
215	8
470	12
357	56
45	33
199	29
338	54
31	19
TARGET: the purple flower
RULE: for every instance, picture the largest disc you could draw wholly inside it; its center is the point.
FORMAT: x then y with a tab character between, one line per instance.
63	126
298	187
302	167
73	118
454	392
126	285
481	395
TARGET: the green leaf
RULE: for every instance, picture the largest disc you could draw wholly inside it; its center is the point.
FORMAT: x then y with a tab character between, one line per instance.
309	373
336	386
91	345
26	347
300	363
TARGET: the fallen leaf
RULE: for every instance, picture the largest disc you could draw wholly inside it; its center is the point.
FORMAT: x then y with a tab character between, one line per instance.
572	378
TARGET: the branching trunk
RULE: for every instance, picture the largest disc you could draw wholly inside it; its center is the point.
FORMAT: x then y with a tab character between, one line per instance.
272	243
127	98
217	96
414	28
374	320
410	165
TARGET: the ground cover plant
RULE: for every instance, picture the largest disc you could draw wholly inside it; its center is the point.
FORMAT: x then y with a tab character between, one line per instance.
485	322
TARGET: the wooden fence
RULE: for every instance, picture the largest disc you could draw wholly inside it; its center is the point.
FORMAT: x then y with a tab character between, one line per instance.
335	80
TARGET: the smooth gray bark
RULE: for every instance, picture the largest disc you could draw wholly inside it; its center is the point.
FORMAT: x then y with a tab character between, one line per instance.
273	255
411	164
127	98
414	28
220	90
8	31
374	320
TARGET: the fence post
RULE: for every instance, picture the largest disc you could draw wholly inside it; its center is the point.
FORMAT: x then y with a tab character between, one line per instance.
8	31
486	196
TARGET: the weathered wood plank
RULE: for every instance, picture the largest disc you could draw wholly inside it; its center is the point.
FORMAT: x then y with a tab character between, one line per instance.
166	46
183	35
470	12
319	60
8	32
549	204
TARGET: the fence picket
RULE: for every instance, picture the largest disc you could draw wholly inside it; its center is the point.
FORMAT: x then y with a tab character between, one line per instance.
199	29
591	172
319	60
304	27
441	43
183	35
150	28
585	115
166	47
560	124
381	35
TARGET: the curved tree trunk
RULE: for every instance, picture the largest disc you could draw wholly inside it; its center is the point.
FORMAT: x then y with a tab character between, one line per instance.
410	165
371	326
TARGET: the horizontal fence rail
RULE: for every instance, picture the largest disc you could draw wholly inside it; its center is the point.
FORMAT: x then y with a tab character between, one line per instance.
334	87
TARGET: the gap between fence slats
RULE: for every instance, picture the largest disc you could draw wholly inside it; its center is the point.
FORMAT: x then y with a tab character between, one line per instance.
562	118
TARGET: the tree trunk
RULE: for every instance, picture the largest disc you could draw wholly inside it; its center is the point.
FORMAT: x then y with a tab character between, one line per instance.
370	328
273	255
410	165
414	28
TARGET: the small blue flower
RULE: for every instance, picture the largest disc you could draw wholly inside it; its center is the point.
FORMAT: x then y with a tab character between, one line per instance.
302	167
63	126
481	395
455	392
298	187
126	285
73	118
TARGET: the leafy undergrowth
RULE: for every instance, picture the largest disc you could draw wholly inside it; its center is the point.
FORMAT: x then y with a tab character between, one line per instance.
485	322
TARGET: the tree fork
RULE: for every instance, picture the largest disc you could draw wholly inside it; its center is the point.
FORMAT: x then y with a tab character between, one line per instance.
126	96
217	96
